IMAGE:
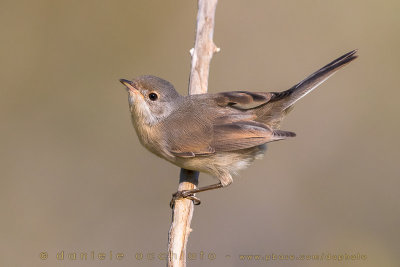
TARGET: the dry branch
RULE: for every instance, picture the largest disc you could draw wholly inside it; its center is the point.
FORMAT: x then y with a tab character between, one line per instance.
202	53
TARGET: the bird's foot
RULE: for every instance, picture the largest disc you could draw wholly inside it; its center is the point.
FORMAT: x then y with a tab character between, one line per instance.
184	194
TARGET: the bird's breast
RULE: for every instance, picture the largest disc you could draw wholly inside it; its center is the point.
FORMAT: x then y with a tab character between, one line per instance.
150	137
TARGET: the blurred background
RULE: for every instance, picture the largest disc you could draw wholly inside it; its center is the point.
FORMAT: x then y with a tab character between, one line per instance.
75	179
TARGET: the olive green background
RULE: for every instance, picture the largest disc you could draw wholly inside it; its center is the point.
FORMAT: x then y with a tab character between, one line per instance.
74	177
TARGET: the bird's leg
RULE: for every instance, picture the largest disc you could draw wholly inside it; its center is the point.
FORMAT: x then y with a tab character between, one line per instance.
189	194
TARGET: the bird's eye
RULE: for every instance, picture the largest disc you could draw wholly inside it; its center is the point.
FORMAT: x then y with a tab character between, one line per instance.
153	96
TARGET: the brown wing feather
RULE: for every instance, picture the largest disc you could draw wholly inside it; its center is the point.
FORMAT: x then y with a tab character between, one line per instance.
242	100
231	137
244	134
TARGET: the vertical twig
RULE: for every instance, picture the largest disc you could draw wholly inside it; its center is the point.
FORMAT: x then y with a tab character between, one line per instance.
202	53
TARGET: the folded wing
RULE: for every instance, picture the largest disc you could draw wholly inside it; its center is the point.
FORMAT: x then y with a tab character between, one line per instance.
245	134
231	137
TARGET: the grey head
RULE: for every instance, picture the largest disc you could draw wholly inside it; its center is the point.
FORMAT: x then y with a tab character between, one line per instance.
151	98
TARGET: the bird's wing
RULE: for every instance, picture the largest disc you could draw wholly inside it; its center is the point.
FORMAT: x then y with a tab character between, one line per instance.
244	134
228	126
242	100
225	137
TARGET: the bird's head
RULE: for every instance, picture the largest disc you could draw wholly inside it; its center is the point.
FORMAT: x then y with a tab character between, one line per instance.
151	98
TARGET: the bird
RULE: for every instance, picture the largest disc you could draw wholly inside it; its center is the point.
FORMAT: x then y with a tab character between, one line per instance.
214	133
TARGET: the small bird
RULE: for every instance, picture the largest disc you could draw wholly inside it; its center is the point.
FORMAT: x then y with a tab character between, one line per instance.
220	133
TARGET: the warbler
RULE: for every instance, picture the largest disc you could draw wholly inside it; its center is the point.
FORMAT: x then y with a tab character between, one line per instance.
219	133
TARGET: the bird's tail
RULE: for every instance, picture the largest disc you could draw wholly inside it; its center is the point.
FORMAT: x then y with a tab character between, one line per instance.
281	103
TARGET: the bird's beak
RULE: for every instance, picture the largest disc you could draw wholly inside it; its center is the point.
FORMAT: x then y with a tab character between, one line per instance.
129	85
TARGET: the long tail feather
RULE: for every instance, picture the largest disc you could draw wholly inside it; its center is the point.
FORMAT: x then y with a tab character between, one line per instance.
298	91
281	102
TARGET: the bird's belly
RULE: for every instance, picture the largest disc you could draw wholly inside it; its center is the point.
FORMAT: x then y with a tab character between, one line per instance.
222	162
